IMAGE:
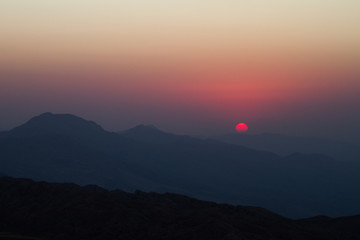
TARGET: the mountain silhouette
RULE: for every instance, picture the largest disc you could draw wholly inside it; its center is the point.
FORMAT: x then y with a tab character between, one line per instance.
285	145
68	211
62	147
74	127
149	133
66	124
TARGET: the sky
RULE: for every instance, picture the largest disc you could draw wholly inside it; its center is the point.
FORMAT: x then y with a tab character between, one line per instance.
189	67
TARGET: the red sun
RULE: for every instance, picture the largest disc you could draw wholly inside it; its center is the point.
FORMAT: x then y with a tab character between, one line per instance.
241	127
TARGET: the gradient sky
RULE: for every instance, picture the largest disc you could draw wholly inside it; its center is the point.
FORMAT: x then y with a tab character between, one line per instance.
194	67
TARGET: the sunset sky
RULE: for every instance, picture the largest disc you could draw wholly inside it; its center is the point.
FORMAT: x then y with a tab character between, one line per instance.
186	66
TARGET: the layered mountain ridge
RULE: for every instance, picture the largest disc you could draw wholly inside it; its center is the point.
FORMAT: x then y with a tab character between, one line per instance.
63	147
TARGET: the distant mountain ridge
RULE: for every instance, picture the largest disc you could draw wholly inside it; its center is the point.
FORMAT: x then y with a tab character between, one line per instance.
285	145
149	133
59	148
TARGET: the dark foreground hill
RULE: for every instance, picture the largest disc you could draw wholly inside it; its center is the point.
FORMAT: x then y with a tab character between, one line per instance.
66	148
68	211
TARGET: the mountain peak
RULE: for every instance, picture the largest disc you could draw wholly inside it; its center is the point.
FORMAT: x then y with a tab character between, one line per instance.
46	114
49	123
149	133
143	127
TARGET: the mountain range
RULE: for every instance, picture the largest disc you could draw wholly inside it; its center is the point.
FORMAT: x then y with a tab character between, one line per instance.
66	148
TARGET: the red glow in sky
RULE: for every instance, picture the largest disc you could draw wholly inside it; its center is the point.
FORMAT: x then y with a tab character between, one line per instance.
125	63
